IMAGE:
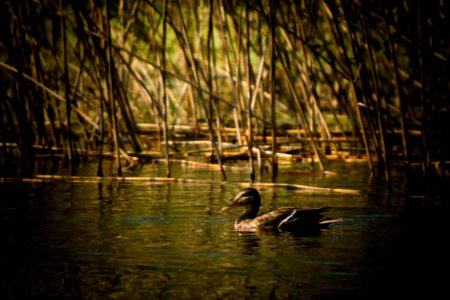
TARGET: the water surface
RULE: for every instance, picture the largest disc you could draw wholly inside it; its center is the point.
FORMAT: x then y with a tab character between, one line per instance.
143	240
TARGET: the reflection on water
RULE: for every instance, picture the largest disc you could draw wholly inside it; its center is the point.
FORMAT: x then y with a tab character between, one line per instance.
139	240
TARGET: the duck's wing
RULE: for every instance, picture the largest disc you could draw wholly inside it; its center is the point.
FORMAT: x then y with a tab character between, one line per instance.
306	220
271	219
284	217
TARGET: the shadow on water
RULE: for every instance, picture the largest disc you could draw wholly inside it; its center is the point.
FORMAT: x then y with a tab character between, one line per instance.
115	239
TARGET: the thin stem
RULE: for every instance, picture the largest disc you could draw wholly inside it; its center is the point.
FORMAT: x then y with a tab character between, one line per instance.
164	98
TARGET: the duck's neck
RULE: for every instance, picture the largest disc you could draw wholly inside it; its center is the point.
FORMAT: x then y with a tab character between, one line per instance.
250	212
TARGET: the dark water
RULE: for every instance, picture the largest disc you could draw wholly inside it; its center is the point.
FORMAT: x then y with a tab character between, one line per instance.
140	240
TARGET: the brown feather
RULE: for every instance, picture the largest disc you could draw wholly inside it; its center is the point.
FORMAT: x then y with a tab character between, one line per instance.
289	218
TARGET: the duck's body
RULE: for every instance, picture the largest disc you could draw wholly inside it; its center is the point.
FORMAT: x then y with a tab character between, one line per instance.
282	219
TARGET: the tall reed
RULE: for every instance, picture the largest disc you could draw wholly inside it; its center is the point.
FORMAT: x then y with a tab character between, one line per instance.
81	77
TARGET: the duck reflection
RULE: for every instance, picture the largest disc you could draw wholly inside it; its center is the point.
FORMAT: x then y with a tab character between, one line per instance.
250	242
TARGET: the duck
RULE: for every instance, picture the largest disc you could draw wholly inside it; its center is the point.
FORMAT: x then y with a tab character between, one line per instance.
298	219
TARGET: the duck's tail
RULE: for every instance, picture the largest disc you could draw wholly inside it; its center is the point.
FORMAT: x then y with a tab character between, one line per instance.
330	221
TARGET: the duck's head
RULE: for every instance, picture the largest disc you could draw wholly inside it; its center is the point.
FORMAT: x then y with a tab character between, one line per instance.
249	198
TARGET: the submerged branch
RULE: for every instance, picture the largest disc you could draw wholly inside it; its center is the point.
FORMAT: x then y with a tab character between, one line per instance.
171	180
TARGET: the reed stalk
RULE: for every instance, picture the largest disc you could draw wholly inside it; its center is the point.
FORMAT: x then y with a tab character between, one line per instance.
110	92
164	88
249	97
403	100
212	81
78	76
194	67
302	115
424	97
384	160
224	31
273	106
66	84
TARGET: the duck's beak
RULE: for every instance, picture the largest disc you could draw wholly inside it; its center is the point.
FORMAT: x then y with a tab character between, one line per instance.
230	206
